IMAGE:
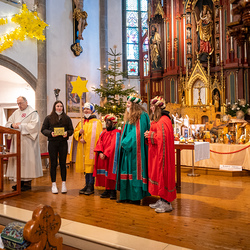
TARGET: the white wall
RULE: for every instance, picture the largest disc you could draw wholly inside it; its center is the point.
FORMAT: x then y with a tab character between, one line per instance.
23	52
115	24
60	59
59	38
9	93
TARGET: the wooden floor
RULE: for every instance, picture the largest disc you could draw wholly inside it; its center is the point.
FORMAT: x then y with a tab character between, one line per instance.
210	212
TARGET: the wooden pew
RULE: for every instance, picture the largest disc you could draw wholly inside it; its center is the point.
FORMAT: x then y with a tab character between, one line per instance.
41	230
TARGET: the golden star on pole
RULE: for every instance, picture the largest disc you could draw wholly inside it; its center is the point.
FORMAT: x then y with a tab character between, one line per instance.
79	86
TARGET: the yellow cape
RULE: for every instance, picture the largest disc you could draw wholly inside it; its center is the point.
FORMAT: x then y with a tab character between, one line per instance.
92	130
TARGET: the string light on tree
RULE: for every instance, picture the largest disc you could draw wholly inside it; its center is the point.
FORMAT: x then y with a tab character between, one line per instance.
113	90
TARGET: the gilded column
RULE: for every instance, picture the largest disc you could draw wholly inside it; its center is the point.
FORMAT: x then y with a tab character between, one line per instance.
165	44
172	30
221	54
184	40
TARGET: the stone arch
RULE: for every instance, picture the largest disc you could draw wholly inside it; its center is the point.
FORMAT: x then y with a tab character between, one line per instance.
19	69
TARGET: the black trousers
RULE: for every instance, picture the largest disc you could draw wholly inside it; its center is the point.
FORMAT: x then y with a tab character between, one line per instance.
58	148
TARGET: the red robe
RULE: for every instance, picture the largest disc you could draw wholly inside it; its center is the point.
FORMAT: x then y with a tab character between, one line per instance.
161	159
105	170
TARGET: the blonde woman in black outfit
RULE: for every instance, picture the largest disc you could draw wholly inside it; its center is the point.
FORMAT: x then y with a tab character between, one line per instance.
58	145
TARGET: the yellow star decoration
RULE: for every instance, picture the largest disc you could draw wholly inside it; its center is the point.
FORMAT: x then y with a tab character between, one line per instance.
79	86
30	25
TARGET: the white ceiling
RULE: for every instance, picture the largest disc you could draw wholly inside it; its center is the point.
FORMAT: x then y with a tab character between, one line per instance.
8	76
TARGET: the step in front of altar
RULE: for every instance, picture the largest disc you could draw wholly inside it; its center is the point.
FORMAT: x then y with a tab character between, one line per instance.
214	171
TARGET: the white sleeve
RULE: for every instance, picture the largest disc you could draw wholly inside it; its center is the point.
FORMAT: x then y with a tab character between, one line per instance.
31	127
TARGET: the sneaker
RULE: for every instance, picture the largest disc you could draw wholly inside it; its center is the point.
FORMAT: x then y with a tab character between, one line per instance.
54	188
105	194
83	190
64	189
155	205
112	194
165	207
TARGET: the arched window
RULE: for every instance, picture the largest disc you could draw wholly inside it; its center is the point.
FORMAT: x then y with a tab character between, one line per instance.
135	41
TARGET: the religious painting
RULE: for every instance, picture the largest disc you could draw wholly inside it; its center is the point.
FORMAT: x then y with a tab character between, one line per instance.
73	100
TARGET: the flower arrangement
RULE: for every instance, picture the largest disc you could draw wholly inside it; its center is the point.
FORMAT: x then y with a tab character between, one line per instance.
30	25
238	109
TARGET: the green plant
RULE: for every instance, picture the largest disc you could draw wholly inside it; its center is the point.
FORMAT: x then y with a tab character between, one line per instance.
113	91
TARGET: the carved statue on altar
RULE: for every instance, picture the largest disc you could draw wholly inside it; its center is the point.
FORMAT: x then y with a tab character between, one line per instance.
155	48
229	137
188	18
205	30
183	101
216	101
199	93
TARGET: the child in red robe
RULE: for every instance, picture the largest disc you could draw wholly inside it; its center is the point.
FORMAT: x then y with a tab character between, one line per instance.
161	157
106	157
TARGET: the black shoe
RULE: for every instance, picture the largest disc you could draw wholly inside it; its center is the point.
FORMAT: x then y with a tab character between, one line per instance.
105	194
83	190
90	189
22	185
25	188
137	202
112	194
121	201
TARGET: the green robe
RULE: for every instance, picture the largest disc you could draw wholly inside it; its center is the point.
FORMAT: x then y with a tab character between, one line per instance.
132	175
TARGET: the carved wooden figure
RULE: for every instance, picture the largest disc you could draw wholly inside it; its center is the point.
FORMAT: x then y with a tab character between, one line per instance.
42	228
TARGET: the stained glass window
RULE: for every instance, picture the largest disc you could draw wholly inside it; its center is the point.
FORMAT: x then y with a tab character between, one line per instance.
145	65
133	68
136	28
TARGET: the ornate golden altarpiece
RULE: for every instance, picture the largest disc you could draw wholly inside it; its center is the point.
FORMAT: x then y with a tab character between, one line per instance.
202	95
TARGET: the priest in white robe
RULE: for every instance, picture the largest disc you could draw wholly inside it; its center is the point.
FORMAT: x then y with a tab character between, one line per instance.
26	120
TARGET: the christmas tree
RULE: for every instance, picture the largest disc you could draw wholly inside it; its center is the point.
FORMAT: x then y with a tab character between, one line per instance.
113	91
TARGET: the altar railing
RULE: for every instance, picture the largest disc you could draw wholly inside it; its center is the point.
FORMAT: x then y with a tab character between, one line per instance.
4	155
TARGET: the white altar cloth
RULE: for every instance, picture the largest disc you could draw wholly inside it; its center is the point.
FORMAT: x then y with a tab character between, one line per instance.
241	158
201	151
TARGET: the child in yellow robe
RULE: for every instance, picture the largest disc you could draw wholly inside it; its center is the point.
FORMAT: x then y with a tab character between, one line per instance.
85	138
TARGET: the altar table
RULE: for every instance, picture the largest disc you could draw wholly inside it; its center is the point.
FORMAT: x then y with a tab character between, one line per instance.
240	156
199	149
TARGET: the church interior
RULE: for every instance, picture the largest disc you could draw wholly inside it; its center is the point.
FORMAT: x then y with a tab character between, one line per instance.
194	54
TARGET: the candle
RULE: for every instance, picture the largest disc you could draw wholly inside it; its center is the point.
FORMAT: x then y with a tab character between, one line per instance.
236	133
